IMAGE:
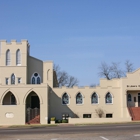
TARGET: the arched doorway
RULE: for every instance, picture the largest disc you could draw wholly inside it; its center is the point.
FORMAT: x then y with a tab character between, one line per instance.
9	99
32	108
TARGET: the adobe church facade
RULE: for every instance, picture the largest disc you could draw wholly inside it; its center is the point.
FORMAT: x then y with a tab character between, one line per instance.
28	93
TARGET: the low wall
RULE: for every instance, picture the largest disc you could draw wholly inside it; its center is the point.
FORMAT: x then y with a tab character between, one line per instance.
97	120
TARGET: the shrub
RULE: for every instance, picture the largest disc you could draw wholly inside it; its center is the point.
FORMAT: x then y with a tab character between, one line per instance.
99	112
52	118
59	121
64	121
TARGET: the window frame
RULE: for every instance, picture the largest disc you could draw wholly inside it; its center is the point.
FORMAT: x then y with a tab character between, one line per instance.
129	98
106	98
82	98
7	80
35	77
18	80
8	58
18	57
109	114
87	115
97	98
68	98
14	79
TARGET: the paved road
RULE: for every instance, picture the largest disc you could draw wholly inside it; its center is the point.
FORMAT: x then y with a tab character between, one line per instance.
93	132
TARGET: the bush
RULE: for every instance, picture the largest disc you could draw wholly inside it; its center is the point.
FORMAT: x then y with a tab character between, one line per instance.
58	121
52	118
64	121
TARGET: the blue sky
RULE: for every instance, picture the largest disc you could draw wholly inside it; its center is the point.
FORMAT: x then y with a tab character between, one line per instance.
76	34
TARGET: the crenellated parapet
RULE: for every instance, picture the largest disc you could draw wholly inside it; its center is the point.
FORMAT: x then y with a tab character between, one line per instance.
87	87
77	87
9	50
14	42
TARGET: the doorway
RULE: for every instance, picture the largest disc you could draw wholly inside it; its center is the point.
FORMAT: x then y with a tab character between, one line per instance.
138	99
32	108
34	102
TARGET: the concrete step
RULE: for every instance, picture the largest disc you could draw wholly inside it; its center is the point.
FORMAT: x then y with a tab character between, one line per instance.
135	113
35	120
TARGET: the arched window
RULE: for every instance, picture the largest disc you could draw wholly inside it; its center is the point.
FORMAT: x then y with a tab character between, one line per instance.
9	99
129	98
79	98
65	99
13	100
33	80
108	98
8	57
12	79
94	98
18	57
36	79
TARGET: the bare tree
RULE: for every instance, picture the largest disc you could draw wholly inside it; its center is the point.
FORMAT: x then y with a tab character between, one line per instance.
99	112
105	71
72	81
114	70
129	66
93	85
64	79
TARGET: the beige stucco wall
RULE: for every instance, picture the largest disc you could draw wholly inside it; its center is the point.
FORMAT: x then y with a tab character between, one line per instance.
55	102
129	83
21	92
20	70
13	46
48	73
34	66
97	120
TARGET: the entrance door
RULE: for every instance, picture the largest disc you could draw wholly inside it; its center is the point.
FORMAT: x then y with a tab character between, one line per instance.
34	102
32	109
138	99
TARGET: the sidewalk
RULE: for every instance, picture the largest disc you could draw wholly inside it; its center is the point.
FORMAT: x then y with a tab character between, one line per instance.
60	125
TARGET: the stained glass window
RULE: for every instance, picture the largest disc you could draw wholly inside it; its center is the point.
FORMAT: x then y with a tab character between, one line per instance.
94	98
33	80
65	98
79	98
108	98
35	74
12	79
38	80
129	97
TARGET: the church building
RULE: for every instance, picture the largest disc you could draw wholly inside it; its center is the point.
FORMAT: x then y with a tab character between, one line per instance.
29	93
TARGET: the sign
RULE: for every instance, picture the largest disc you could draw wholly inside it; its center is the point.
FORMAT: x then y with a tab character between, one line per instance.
9	115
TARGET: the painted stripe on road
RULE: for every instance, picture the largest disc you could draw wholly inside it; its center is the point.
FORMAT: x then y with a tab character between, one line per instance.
137	135
127	126
103	138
